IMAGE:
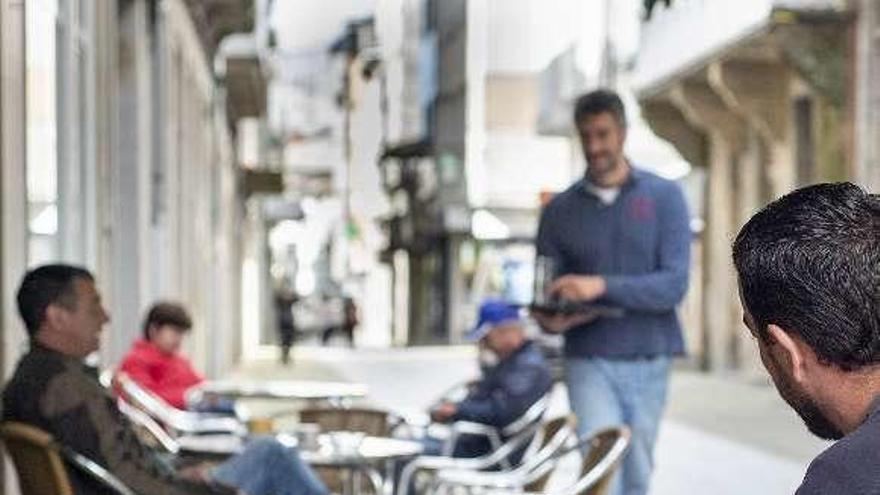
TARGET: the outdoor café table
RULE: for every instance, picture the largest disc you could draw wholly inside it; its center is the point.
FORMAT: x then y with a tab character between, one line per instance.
284	389
364	457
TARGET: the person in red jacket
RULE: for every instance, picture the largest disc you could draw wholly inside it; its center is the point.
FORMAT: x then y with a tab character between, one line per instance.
156	364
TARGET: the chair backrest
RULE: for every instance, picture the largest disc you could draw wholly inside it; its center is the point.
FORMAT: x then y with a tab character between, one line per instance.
39	462
533	414
370	421
538	463
458	392
144	423
170	416
605	452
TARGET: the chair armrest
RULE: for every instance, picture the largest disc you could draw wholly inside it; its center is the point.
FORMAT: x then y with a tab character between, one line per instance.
471	428
197	423
436	463
485	479
95	470
462	428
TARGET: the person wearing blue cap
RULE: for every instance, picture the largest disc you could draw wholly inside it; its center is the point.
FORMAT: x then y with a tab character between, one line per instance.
506	390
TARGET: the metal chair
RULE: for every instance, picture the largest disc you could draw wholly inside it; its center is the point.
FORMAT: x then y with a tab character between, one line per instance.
491	460
605	451
543	442
459	429
183	422
40	462
374	422
531	474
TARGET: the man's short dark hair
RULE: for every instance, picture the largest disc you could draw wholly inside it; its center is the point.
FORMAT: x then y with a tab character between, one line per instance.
600	101
46	285
167	313
810	264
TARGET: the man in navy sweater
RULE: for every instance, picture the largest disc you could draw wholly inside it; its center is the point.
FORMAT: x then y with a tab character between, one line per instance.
809	282
620	237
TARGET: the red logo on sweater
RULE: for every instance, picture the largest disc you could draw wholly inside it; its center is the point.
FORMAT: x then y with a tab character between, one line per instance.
641	208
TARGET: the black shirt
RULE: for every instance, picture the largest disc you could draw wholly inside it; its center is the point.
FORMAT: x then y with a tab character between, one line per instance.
852	465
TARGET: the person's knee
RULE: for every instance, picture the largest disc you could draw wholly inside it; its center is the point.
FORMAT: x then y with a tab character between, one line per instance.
266	448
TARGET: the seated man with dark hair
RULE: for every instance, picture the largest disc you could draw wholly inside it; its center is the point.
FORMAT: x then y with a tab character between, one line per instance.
53	390
507	389
808	267
156	364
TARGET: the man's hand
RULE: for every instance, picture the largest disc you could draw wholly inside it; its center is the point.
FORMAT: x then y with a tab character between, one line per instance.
560	323
584	288
197	473
443	412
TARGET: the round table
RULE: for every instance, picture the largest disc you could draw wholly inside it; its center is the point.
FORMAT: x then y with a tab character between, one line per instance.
363	457
284	389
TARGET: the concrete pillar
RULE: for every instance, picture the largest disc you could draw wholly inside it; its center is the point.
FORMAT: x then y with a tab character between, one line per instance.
131	253
748	199
13	194
106	151
702	105
720	283
867	94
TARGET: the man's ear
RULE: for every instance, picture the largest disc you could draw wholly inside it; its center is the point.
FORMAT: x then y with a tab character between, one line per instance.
789	351
55	316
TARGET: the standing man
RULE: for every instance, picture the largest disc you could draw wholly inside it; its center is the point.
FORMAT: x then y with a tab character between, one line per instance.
620	236
809	282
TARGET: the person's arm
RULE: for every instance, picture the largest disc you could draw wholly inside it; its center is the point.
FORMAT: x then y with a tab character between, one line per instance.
664	288
83	417
170	389
518	389
547	244
138	370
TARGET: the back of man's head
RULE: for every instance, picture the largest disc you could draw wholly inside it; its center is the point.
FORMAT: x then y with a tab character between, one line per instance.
166	313
810	264
44	286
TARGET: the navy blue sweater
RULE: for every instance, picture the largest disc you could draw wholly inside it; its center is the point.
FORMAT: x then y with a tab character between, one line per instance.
640	244
508	390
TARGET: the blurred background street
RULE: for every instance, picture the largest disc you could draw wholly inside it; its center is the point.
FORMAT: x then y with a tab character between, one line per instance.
371	170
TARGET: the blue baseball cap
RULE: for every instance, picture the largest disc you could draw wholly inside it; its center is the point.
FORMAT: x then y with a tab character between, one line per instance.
493	313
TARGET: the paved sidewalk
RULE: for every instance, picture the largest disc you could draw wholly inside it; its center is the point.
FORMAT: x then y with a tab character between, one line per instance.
721	435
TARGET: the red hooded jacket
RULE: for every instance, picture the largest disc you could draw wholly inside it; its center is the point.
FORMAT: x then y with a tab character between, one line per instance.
167	375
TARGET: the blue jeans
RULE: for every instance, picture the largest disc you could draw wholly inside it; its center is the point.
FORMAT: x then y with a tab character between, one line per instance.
268	468
604	392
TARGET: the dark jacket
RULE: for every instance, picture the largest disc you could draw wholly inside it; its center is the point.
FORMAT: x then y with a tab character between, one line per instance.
852	465
640	244
506	391
60	395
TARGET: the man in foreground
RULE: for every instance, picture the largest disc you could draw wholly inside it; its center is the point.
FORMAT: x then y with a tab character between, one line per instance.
53	390
809	280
